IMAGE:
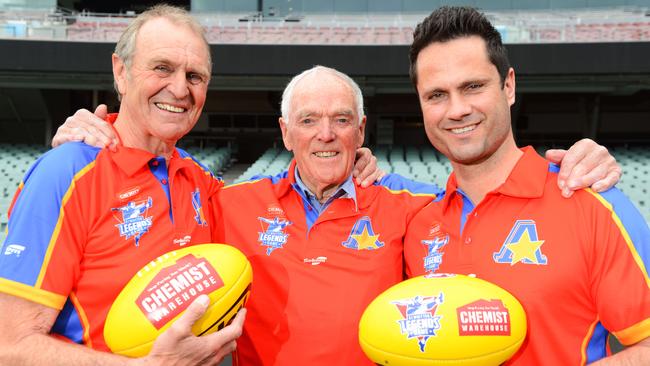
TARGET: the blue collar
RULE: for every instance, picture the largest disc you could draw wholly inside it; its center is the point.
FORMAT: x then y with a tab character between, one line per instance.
345	190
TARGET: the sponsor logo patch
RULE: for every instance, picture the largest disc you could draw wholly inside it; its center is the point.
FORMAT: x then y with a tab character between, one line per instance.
14	249
315	261
182	241
131	192
483	317
419	317
175	287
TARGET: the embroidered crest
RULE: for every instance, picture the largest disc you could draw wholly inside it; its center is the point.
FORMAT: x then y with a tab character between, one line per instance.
273	237
198	208
134	221
363	236
522	245
433	258
419	317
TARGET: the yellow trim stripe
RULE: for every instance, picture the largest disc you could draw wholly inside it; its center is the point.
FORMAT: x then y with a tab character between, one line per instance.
634	334
432	195
585	342
205	170
626	236
84	320
242	183
30	293
57	228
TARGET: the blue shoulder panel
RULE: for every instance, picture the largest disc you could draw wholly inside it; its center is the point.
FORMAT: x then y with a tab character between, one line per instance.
274	178
185	155
36	211
396	182
634	225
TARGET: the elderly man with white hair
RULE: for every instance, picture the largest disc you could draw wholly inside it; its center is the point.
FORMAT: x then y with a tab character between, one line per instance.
321	247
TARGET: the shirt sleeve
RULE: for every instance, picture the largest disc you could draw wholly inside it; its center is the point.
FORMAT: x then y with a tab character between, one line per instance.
620	258
44	201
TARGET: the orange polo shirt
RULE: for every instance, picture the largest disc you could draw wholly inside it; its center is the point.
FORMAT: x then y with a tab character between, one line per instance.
85	220
578	265
311	284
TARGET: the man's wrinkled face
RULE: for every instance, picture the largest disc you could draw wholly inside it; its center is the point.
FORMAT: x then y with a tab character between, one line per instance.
323	129
164	88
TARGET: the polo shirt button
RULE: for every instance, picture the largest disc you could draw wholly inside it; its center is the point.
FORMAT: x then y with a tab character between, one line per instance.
475	214
154	163
163	181
468	240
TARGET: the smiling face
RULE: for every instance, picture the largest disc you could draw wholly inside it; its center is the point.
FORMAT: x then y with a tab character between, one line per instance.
323	130
164	89
466	109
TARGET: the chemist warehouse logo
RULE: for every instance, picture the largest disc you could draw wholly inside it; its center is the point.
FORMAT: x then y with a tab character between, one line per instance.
174	288
134	221
419	317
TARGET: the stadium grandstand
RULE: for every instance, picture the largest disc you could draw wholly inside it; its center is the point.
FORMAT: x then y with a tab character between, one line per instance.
582	71
581	65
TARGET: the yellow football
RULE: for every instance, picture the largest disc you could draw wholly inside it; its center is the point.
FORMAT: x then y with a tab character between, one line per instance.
442	319
159	293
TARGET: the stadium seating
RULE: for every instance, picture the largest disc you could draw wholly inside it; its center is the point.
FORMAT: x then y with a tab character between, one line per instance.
425	164
215	159
635	182
15	159
516	26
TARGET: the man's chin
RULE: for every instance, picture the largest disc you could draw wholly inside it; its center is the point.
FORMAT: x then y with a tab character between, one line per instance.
467	157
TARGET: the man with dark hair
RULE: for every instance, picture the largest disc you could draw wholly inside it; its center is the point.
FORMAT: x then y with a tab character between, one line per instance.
504	219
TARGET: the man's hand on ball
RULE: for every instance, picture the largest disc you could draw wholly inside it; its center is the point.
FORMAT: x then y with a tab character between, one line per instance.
179	346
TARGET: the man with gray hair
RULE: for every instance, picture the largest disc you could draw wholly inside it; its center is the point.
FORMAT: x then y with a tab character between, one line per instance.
85	220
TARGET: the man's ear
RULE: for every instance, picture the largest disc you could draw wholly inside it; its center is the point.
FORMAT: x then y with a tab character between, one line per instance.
119	74
362	131
283	128
509	86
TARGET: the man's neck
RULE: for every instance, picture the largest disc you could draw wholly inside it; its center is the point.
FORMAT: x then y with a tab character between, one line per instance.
133	137
477	180
321	192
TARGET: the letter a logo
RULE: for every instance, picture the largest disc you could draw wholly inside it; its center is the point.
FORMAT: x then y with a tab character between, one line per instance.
522	245
363	236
